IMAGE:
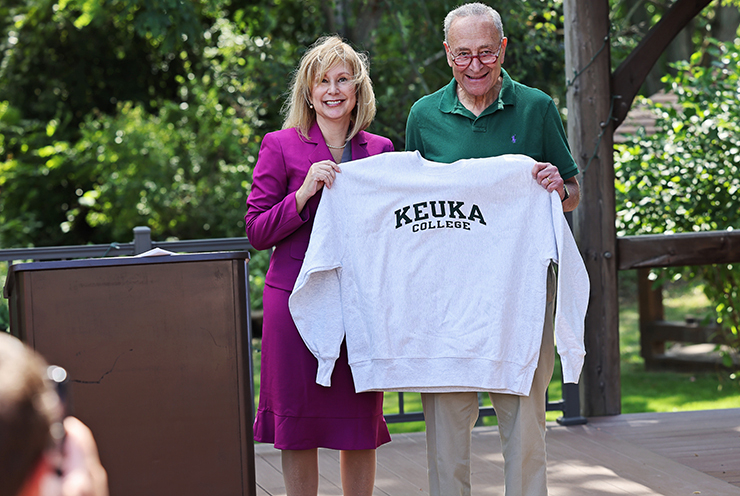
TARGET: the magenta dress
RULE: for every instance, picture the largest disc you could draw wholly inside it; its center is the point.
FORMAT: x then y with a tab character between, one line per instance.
294	412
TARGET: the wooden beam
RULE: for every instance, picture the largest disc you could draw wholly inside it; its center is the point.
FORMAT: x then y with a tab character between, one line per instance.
631	73
680	332
590	137
678	250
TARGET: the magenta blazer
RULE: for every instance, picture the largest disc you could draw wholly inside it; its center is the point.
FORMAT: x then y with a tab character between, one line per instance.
272	220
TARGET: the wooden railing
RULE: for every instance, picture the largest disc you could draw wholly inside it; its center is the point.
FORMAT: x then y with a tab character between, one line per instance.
142	242
672	250
569	404
634	252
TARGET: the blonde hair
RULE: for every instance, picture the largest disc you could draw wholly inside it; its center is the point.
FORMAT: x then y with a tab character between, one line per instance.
323	55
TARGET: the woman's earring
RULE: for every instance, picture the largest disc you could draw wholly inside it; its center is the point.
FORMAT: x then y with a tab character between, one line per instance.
310	105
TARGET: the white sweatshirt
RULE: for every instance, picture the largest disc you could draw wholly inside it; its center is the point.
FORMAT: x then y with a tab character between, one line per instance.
436	276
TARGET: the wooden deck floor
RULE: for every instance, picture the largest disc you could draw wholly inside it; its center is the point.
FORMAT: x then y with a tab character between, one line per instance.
671	454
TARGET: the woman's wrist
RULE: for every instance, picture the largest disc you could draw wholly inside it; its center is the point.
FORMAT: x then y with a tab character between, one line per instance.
300	200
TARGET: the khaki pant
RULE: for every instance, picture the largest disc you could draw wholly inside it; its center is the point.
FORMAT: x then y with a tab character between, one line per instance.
521	422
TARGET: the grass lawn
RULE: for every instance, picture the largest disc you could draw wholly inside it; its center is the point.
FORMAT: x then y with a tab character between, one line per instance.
642	391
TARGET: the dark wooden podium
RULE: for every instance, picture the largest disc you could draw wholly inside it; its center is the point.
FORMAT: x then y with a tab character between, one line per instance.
157	351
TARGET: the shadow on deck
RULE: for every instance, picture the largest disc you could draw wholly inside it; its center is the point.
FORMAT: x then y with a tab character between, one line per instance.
646	454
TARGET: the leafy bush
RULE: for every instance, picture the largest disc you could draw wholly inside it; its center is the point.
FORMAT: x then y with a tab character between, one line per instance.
167	140
686	177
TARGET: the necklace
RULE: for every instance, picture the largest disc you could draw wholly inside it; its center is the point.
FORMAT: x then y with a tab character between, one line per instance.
336	147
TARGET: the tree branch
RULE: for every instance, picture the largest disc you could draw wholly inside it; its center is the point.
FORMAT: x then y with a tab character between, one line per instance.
629	76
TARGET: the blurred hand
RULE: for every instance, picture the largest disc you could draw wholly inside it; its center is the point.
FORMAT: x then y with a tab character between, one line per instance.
81	471
83	475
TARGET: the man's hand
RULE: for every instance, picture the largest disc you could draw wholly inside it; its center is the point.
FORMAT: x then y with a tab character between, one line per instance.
548	176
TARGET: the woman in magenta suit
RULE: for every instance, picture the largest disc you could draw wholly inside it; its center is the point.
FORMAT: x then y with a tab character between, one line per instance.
330	105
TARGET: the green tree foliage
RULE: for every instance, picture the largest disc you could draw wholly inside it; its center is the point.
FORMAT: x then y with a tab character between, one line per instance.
118	113
121	113
404	41
632	19
408	59
686	177
65	66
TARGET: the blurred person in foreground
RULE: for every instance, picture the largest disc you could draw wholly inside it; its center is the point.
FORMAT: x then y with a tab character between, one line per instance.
41	452
331	103
482	113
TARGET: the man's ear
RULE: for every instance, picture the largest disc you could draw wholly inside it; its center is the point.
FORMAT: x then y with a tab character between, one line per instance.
447	53
501	57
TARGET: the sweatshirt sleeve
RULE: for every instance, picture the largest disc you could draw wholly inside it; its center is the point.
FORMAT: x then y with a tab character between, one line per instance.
572	297
315	303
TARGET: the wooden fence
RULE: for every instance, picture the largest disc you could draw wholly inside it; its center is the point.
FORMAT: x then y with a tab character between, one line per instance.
569	404
672	250
634	252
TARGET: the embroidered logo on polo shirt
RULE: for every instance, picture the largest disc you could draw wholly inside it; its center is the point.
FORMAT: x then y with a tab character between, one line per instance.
513	138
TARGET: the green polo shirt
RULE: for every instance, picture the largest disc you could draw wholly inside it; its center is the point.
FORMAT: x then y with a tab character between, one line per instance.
522	120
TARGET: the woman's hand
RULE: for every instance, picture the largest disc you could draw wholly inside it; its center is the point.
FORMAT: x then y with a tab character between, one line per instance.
319	175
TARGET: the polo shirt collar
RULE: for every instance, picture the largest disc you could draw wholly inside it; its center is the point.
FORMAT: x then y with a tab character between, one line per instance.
450	103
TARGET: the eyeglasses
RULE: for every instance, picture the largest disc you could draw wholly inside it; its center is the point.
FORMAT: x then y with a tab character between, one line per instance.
487	57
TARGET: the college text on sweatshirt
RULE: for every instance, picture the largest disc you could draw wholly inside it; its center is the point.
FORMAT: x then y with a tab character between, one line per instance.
436	275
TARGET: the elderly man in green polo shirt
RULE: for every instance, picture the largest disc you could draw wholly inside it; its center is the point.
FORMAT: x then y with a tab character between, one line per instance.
481	113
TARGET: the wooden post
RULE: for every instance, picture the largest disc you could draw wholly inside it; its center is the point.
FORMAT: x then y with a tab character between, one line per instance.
142	239
590	133
650	304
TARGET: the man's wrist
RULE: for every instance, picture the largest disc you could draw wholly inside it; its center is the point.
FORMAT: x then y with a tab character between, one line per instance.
566	195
